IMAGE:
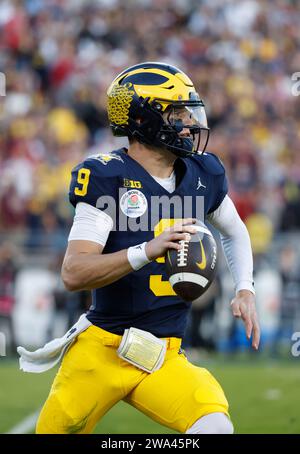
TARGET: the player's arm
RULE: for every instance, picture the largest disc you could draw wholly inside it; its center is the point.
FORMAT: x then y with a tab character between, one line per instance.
86	268
237	248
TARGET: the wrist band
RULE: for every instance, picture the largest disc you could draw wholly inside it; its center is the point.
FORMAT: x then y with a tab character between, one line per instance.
245	285
137	256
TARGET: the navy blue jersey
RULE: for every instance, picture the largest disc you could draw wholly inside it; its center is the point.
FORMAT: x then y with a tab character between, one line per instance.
142	208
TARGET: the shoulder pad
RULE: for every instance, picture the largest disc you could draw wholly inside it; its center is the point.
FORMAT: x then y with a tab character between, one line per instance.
105	164
94	177
210	163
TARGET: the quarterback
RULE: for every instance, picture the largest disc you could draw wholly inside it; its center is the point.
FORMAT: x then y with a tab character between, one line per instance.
131	347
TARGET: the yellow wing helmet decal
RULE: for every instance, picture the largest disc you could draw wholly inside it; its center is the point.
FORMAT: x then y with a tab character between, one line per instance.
177	87
119	100
202	264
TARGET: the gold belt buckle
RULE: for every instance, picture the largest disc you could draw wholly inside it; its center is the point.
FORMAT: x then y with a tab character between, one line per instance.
142	349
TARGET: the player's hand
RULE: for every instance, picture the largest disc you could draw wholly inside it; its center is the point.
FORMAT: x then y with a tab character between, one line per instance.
243	306
169	238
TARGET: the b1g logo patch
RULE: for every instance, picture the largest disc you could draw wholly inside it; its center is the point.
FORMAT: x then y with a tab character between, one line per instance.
133	203
132	183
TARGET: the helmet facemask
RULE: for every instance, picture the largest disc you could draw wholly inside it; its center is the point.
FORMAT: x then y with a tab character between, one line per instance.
181	128
185	130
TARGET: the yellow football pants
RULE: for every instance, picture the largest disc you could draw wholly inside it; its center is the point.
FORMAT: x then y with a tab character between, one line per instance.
92	378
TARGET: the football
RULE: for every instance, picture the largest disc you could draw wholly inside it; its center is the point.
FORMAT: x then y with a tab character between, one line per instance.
192	269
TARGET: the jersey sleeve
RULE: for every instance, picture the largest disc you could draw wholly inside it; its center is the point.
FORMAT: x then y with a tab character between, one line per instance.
221	190
90	181
218	189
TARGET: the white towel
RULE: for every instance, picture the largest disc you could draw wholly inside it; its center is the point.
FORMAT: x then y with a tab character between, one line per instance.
48	356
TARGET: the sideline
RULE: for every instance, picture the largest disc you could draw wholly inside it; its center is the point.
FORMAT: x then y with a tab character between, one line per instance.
26	425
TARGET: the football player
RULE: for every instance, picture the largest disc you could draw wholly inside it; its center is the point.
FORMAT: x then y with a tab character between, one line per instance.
131	350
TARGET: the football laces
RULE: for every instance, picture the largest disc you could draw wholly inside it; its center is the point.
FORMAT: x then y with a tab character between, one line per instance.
183	253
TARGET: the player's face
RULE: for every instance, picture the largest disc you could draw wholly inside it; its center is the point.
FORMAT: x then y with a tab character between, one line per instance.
188	116
189	122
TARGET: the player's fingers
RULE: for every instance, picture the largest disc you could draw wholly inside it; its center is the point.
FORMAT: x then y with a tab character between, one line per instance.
182	224
256	334
189	229
189	221
170	245
235	309
183	228
180	237
248	325
175	228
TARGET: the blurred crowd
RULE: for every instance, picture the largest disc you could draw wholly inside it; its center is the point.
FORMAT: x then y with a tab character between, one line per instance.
59	57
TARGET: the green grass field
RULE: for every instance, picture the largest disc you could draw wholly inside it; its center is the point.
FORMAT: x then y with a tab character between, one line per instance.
264	397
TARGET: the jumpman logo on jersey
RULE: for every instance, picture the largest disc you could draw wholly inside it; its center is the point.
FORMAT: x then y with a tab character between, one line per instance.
200	185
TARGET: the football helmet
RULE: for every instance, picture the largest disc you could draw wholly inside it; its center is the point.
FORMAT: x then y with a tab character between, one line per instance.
157	105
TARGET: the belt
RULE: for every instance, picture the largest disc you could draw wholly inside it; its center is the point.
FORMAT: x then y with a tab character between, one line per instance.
114	340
